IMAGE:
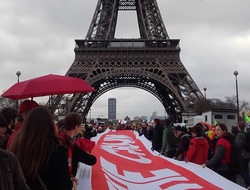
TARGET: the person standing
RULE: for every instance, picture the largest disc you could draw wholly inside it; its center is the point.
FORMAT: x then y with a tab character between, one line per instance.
75	153
144	125
149	132
183	143
23	110
39	151
11	174
157	135
240	141
169	141
222	156
3	128
198	147
10	115
211	143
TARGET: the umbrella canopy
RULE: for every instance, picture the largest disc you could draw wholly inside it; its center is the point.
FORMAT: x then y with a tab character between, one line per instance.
47	85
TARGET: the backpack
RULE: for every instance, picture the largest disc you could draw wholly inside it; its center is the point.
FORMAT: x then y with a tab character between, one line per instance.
236	160
247	141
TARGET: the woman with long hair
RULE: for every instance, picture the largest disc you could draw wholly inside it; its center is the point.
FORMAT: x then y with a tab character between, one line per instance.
42	157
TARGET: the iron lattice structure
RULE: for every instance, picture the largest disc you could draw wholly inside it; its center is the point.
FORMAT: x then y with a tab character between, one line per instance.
151	63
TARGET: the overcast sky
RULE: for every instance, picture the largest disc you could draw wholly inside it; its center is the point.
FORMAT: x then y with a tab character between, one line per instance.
37	38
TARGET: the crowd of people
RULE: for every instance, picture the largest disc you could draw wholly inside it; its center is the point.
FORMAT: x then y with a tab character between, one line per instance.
208	146
36	153
31	143
203	144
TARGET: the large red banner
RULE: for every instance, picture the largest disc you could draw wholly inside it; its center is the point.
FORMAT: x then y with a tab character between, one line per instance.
125	162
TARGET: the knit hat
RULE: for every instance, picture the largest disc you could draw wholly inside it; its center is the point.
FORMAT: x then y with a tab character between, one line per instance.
3	121
242	125
27	105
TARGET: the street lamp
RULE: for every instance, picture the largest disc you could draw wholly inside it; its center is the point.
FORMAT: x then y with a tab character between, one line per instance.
18	74
237	95
205	89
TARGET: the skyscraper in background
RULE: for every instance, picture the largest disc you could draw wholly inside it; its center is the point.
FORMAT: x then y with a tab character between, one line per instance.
112	108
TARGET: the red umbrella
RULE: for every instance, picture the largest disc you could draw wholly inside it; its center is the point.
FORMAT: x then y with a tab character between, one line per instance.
47	85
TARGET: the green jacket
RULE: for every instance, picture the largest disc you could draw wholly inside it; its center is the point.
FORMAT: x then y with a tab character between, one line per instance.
169	141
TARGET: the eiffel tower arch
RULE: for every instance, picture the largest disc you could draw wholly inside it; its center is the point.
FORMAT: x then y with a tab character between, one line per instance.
151	62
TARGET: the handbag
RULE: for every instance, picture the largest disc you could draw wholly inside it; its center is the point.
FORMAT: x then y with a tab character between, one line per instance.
44	187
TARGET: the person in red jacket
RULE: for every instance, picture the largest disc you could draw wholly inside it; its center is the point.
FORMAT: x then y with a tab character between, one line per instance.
222	156
22	113
198	147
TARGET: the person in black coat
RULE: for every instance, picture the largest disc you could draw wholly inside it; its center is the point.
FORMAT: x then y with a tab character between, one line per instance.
157	135
183	143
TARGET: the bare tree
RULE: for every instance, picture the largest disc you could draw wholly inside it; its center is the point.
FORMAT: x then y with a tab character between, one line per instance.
243	105
5	102
202	106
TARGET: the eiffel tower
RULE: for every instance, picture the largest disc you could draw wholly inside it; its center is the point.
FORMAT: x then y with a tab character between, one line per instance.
151	62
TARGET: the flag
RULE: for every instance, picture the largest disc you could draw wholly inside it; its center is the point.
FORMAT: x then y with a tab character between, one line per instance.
215	122
246	118
85	144
126	162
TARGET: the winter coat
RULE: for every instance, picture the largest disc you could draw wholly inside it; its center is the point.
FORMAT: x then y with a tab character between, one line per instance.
169	141
11	174
13	135
183	146
56	174
157	138
240	141
222	156
198	150
76	154
149	134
